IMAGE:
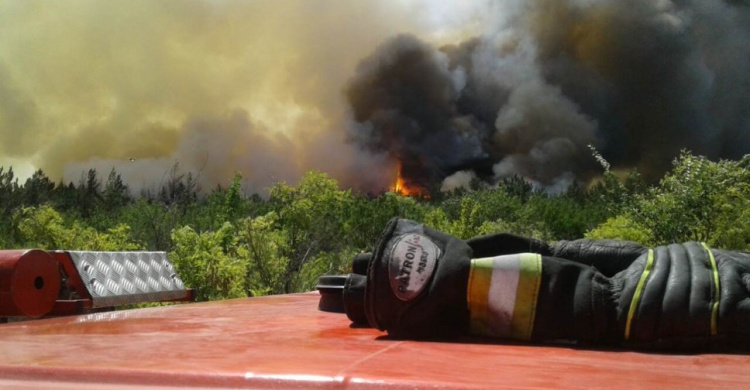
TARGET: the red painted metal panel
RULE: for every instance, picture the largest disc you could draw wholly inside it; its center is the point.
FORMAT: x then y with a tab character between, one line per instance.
73	279
285	342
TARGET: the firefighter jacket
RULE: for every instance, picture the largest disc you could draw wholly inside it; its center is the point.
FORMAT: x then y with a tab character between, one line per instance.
422	283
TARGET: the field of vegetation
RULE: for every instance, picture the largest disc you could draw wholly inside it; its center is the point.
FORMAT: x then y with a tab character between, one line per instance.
229	244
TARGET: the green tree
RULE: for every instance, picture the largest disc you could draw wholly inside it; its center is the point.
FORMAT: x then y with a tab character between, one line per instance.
314	217
88	194
263	246
37	190
10	200
622	227
205	261
367	217
152	223
180	189
65	197
116	194
699	200
44	228
465	226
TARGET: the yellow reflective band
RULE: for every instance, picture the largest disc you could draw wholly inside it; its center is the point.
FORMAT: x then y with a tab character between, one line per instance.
717	292
638	291
480	276
502	295
527	294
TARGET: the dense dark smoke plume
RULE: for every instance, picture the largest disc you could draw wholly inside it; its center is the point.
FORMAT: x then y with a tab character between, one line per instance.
639	80
406	96
450	90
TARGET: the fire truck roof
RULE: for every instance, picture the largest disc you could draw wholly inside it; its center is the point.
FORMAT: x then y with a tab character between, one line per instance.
285	342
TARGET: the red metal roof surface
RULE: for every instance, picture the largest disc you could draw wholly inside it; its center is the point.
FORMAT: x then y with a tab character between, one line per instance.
285	342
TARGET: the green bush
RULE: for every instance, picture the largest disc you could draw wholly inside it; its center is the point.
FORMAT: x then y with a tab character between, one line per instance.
699	200
622	228
206	263
44	228
226	244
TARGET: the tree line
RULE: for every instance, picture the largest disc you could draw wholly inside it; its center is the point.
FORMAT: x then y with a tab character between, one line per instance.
226	243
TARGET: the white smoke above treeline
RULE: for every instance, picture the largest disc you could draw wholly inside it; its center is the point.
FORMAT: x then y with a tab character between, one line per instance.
457	90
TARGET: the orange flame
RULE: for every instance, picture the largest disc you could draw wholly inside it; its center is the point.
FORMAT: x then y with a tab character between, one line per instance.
401	187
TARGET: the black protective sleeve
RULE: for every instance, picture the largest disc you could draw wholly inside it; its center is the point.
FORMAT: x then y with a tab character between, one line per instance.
599	292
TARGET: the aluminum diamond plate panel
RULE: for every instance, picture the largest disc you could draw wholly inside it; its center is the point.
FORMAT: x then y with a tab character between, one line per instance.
119	278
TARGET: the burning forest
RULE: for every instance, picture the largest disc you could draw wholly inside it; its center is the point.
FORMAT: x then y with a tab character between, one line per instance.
638	80
408	96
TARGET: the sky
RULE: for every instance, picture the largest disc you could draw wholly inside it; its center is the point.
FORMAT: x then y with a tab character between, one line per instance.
216	86
273	88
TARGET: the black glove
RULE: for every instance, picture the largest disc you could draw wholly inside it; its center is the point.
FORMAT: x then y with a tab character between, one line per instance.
416	282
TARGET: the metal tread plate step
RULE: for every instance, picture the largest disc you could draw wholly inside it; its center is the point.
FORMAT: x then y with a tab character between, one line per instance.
120	278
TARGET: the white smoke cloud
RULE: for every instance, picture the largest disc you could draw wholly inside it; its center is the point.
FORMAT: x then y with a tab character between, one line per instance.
460	179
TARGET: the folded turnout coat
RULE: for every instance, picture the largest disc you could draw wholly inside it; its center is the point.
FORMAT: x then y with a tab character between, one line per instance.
421	283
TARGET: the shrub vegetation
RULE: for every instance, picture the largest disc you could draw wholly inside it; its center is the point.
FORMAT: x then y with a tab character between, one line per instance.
229	244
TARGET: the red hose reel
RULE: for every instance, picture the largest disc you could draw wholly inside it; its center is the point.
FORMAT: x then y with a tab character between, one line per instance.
29	283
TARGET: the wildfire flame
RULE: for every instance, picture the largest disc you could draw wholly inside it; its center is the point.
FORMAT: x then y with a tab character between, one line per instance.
403	188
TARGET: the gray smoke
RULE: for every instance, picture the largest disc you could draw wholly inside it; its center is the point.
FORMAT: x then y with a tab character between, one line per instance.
640	80
210	145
